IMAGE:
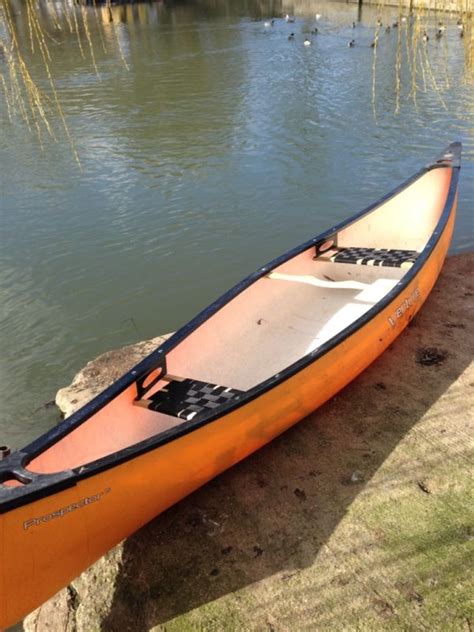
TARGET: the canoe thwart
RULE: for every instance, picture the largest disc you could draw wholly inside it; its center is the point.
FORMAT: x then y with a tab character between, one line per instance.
312	280
173	378
187	398
383	257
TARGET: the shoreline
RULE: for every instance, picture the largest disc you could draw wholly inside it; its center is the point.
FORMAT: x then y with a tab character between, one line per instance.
359	513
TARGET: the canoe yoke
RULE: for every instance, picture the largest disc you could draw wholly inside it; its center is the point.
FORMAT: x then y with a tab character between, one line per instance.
186	398
382	257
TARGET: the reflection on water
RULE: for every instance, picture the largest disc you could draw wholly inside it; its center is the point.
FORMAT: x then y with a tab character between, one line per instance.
209	144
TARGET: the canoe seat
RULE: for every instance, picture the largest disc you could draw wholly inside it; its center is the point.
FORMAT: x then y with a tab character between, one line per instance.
186	398
372	257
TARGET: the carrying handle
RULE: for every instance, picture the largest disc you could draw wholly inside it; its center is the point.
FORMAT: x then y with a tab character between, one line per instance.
151	377
12	468
324	245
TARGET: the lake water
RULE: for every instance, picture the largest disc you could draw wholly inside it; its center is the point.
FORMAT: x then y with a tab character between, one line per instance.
209	144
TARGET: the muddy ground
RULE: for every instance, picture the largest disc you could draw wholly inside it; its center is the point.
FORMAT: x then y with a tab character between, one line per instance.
358	518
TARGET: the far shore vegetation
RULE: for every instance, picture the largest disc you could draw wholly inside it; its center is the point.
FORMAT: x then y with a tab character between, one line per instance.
37	103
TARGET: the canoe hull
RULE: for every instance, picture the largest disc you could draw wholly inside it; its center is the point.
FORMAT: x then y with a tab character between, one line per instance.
59	536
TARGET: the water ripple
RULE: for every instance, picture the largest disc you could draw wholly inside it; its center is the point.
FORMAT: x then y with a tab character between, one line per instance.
223	145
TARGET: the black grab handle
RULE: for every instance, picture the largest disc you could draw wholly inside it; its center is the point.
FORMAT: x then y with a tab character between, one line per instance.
142	385
12	468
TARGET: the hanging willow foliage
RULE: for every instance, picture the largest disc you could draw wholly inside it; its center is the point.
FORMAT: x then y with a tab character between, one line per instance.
413	34
41	110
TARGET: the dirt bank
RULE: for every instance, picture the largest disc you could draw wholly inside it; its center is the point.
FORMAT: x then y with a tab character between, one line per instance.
359	518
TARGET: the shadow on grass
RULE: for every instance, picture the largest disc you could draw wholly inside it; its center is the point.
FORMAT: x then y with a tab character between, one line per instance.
270	515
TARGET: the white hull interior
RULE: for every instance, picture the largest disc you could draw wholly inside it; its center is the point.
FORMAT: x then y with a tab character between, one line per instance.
289	315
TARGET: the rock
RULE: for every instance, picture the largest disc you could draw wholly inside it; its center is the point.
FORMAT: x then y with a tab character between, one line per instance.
101	372
300	494
424	487
55	614
357	477
431	356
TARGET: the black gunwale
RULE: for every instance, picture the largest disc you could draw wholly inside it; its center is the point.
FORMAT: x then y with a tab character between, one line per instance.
46	484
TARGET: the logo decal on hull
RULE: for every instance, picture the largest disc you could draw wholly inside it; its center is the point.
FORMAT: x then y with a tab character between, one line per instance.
60	513
407	303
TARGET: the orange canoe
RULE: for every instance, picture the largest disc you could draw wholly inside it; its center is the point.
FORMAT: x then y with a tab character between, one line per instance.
268	352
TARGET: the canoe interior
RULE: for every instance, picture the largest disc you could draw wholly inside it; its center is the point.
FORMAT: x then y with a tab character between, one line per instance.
273	323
